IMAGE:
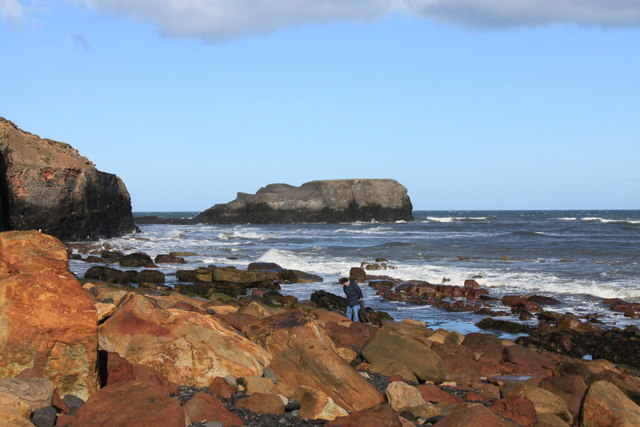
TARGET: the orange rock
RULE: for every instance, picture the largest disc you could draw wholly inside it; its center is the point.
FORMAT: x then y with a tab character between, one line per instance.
203	407
262	403
256	384
130	403
316	405
475	415
605	405
303	355
379	416
187	347
49	325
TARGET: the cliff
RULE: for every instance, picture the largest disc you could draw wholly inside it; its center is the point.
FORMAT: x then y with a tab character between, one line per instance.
329	201
48	185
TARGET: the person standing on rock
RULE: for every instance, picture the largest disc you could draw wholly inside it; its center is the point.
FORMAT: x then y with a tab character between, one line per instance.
354	297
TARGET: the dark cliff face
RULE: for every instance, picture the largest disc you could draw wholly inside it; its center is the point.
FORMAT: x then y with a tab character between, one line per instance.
331	201
47	185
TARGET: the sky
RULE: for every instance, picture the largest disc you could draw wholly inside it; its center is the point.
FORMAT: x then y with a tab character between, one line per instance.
470	104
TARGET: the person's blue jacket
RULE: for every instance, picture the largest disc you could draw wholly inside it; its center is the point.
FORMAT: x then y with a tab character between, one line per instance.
353	293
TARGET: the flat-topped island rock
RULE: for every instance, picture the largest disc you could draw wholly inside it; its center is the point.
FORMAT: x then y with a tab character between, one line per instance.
327	201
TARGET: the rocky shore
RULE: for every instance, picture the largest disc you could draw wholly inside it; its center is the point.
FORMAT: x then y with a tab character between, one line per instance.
118	347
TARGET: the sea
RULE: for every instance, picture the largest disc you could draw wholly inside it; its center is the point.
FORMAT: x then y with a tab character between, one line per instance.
577	257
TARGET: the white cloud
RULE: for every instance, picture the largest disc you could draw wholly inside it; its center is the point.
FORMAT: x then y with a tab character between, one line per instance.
510	13
223	19
213	20
11	11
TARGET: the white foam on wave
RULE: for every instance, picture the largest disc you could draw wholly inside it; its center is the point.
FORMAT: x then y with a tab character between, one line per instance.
565	219
312	264
454	218
374	230
611	221
243	235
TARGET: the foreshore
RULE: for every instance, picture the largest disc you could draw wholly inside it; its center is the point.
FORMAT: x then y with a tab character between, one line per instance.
230	349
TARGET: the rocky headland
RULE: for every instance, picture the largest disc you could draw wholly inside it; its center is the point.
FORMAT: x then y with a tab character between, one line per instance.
226	348
47	185
328	201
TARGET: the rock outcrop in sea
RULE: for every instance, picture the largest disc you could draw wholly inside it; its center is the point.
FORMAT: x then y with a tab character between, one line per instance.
327	201
47	185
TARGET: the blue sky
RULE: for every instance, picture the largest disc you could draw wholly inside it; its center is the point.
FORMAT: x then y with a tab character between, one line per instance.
470	104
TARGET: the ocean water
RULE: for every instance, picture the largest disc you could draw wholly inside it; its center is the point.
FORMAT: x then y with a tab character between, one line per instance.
578	257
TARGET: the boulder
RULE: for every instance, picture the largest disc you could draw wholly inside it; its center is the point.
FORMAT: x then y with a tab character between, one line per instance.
303	355
354	336
136	259
329	301
571	388
391	367
528	362
106	274
433	394
379	416
387	343
47	185
221	388
316	405
543	400
605	405
459	362
402	395
256	384
169	259
13	412
120	370
151	276
36	393
262	403
474	415
187	347
203	407
49	325
330	201
516	408
130	403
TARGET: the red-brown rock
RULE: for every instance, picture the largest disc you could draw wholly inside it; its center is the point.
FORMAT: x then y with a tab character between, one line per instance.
459	363
131	404
49	324
238	320
433	394
221	388
516	408
473	416
379	416
203	407
262	403
527	362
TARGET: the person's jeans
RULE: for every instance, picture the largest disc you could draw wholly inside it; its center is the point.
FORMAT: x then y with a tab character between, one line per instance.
352	312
